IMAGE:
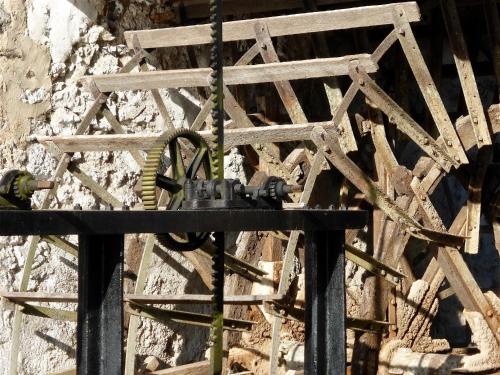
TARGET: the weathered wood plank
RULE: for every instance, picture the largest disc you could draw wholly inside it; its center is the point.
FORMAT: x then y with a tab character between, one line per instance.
96	189
475	188
144	299
427	86
240	118
465	72
286	270
402	120
117	128
233	75
330	149
200	119
283	25
284	88
232	138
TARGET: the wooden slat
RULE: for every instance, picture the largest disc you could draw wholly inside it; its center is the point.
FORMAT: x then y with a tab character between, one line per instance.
96	189
232	138
287	266
427	86
330	149
465	72
283	25
144	299
200	119
240	118
117	128
233	75
479	124
402	120
71	371
478	174
284	88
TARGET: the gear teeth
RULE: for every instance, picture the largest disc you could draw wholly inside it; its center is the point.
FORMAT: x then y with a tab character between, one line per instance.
153	163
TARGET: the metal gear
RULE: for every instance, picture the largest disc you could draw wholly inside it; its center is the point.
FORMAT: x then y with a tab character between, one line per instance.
152	179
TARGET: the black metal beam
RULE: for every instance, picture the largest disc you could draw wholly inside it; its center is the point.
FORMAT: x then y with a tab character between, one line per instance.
61	222
100	310
100	305
325	343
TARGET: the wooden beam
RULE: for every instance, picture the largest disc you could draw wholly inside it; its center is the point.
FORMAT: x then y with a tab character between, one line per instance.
465	72
284	88
278	26
144	299
232	138
94	187
330	149
233	75
427	87
402	119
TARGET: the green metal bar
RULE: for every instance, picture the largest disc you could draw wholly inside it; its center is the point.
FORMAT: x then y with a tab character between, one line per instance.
184	317
62	244
48	312
372	265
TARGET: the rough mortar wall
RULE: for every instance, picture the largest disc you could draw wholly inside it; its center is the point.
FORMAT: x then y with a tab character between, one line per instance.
45	47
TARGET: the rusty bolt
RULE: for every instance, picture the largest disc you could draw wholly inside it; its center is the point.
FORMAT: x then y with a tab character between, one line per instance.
449	143
383	272
426	141
361	82
401	31
490	313
43	185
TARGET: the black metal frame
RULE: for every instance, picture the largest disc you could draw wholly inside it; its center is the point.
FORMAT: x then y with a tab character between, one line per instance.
101	244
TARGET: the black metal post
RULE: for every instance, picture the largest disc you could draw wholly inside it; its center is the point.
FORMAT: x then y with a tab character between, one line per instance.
325	346
100	305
